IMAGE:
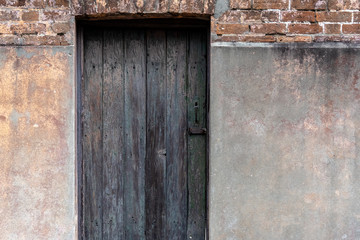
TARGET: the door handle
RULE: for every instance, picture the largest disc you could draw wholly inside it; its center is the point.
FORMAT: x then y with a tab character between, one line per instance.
197	131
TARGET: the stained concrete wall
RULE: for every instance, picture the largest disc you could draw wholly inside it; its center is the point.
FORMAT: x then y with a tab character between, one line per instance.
284	142
37	143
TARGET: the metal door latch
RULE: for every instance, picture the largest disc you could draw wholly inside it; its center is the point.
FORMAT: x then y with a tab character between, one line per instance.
197	131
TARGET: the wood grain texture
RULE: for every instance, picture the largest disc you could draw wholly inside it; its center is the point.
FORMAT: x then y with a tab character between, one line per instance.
144	175
113	135
156	132
135	133
197	143
92	134
176	134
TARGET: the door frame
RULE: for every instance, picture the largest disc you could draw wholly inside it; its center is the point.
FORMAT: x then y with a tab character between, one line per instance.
138	22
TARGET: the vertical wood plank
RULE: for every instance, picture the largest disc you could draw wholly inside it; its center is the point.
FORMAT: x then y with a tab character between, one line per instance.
135	134
197	143
79	128
92	134
155	147
113	138
144	176
176	131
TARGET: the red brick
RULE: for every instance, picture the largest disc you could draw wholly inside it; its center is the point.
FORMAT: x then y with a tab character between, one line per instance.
270	4
32	28
344	5
328	38
351	28
293	38
356	16
227	38
240	16
4	29
298	16
9	16
213	24
44	40
17	3
33	40
30	16
337	38
304	28
257	38
9	40
270	16
333	16
250	16
55	15
332	28
309	4
37	4
269	28
60	27
62	3
231	28
240	4
59	3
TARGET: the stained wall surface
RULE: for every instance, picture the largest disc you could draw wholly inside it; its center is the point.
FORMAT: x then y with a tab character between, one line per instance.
284	142
37	146
283	162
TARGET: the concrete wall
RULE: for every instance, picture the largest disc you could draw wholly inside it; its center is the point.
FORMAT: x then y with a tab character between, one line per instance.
37	146
284	142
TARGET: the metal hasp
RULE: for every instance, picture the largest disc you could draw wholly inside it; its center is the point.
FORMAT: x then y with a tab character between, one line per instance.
197	130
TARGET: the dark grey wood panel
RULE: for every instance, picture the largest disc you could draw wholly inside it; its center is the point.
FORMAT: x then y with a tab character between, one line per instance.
197	143
113	135
176	135
156	132
135	133
92	134
144	175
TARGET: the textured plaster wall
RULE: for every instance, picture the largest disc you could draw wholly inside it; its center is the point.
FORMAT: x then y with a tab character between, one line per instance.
37	147
285	142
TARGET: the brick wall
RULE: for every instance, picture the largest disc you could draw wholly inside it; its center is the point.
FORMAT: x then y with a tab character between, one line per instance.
51	22
288	21
36	22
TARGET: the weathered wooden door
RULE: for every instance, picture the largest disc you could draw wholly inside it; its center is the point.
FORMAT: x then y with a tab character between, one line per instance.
143	98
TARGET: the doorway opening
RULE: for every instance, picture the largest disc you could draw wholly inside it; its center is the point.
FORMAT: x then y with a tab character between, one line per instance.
142	129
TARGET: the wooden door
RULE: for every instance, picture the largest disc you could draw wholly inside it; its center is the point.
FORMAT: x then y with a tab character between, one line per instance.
143	115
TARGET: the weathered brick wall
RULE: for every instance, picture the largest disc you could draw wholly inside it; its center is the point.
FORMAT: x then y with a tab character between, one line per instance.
288	21
51	22
36	22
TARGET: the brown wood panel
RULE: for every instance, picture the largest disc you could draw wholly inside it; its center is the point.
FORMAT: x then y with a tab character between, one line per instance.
197	143
176	134
135	133
156	132
92	134
113	135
